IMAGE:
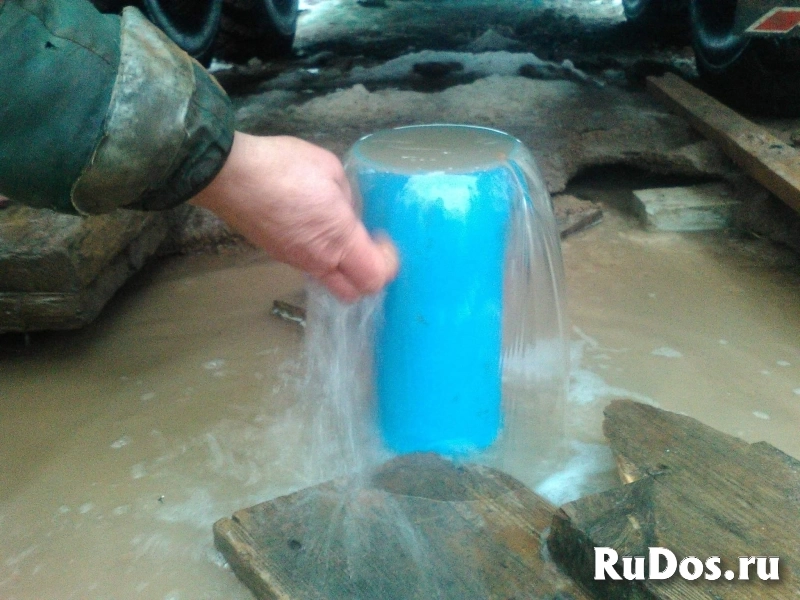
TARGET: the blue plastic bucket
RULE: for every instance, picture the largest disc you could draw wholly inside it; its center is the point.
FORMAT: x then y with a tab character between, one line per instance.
437	358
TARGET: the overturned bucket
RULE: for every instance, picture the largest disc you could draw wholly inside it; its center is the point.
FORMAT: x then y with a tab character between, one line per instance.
473	225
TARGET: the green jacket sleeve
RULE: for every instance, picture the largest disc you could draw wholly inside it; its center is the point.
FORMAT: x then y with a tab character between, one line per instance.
99	112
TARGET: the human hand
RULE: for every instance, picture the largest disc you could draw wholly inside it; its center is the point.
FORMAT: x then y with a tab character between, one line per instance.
292	199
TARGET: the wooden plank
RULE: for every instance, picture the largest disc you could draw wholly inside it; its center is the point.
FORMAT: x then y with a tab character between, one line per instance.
702	207
574	215
58	271
420	527
647	440
772	163
696	492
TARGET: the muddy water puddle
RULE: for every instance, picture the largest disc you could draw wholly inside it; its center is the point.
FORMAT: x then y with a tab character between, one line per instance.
121	444
707	324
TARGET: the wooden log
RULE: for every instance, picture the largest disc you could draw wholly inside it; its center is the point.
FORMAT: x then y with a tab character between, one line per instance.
696	492
419	528
772	163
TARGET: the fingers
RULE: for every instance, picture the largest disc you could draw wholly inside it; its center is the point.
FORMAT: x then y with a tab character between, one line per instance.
365	269
390	256
368	264
340	287
344	184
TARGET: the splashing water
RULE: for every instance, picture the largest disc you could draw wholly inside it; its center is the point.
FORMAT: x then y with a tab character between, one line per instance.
352	523
342	438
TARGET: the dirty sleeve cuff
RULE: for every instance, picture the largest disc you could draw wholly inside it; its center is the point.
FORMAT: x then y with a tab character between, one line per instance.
168	129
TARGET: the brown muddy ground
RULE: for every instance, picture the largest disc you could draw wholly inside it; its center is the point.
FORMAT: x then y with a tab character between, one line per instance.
121	444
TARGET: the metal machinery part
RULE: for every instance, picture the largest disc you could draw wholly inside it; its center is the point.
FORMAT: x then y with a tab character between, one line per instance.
192	24
232	29
747	51
257	28
657	15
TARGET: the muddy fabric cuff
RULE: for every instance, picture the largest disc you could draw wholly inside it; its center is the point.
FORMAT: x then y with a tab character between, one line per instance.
58	64
168	130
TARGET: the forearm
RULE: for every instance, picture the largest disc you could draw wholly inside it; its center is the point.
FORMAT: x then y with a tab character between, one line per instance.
105	113
51	115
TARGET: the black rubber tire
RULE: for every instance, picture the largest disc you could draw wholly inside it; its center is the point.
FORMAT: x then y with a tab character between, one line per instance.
191	24
659	19
257	28
109	6
757	75
644	12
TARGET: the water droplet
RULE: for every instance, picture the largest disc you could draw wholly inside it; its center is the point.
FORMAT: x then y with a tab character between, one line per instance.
121	442
138	471
666	352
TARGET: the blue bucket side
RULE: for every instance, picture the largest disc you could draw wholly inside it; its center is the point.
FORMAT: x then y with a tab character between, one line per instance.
438	351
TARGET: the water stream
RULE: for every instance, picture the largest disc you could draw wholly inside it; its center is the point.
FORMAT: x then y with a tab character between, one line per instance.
386	355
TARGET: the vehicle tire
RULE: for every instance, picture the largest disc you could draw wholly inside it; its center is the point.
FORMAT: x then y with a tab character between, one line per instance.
191	24
109	6
645	12
664	19
256	28
760	75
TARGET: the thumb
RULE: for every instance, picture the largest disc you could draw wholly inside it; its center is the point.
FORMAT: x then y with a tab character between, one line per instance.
368	265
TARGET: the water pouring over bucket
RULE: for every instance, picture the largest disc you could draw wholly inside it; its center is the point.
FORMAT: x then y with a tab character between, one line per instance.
472	345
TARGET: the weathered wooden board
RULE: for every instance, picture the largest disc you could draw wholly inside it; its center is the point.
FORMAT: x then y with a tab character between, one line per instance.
702	207
772	163
58	271
419	528
694	491
573	215
291	308
647	440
